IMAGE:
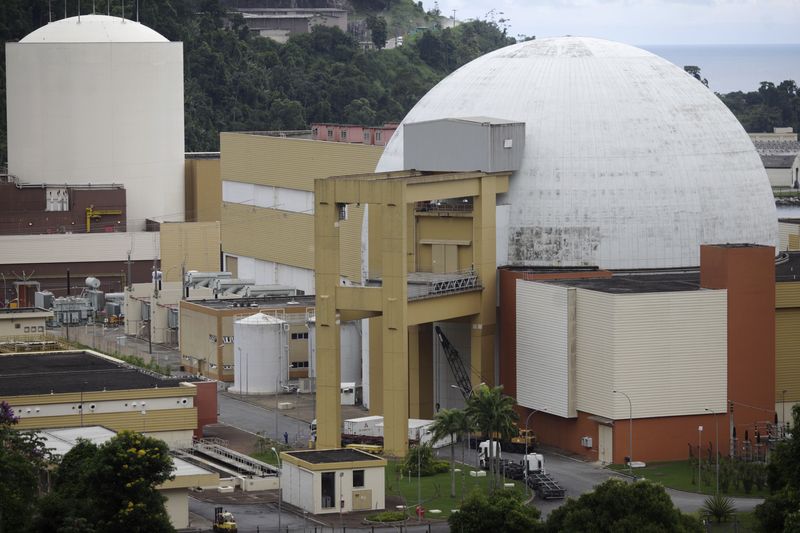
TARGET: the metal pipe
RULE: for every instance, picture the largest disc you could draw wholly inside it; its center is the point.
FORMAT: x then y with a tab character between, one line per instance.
280	486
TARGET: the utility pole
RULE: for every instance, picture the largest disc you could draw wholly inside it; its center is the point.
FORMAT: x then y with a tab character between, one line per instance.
130	279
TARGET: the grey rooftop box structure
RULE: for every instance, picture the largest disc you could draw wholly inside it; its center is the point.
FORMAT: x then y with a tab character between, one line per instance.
464	144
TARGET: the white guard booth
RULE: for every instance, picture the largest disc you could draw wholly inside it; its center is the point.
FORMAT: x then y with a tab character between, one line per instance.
327	481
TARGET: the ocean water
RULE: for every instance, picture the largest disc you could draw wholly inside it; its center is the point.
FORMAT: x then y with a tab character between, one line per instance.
736	67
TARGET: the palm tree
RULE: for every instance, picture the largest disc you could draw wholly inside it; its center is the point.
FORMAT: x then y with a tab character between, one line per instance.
449	422
493	413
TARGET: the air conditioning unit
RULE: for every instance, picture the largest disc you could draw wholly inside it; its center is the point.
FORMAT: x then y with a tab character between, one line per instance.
586	442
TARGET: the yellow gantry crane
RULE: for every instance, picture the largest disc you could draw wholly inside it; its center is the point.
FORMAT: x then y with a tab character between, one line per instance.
95	214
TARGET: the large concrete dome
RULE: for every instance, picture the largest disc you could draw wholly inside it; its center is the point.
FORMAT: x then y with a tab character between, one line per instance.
629	162
94	29
99	101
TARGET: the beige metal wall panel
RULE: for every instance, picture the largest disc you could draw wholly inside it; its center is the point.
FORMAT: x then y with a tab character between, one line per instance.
350	243
203	190
543	351
268	234
787	358
670	353
787	294
191	245
780	177
287	238
443	230
594	366
198	327
785	230
794	242
291	163
79	247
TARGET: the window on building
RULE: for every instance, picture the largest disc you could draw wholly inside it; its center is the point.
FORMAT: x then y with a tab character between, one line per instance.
16	326
328	490
358	478
330	134
315	132
377	136
299	364
344	135
28	330
366	136
299	336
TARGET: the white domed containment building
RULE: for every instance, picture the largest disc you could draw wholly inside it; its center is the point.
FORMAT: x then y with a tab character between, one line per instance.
625	163
98	99
629	162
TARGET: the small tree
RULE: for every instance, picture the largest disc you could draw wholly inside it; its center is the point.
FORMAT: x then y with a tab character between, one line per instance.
720	507
111	487
448	423
492	412
377	26
617	505
504	510
22	457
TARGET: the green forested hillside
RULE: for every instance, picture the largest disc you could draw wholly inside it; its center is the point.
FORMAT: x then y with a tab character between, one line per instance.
236	82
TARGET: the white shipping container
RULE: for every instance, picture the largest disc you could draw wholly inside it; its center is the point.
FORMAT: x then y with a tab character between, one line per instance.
365	425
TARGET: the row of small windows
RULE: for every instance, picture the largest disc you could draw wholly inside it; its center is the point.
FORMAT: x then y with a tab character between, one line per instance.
299	336
343	134
30	329
299	364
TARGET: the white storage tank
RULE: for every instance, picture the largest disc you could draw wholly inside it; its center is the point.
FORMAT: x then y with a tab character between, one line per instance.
260	354
350	341
102	97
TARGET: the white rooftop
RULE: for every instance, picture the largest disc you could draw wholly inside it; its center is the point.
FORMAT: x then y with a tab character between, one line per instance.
260	318
94	29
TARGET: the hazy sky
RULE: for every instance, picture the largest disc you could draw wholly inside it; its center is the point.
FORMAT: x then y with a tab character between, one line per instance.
642	21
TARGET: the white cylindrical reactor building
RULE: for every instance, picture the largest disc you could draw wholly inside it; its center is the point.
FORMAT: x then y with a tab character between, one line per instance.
260	355
97	99
350	342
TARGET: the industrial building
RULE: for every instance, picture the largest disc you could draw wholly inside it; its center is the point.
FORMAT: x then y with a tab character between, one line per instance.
268	205
21	322
280	24
333	481
611	182
77	388
103	98
207	328
132	73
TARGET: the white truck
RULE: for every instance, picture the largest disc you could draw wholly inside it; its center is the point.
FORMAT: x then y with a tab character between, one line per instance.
538	479
483	453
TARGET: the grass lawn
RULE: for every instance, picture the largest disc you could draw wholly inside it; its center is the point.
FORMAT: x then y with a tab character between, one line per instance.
678	475
741	523
435	490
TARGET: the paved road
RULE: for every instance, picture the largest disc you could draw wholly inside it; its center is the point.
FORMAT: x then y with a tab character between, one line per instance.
254	419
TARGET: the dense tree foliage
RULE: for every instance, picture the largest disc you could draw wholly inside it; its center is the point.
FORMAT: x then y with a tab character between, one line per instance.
504	510
109	488
768	107
781	510
22	457
236	82
622	507
492	412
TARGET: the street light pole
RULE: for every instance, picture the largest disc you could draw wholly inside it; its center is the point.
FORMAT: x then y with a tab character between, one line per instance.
716	433
630	431
280	486
419	486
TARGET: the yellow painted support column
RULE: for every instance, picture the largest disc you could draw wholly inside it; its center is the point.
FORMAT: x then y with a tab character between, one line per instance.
375	324
484	232
414	372
426	407
326	262
395	320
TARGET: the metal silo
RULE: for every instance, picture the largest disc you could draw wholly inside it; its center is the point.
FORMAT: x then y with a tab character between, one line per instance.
350	342
261	354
